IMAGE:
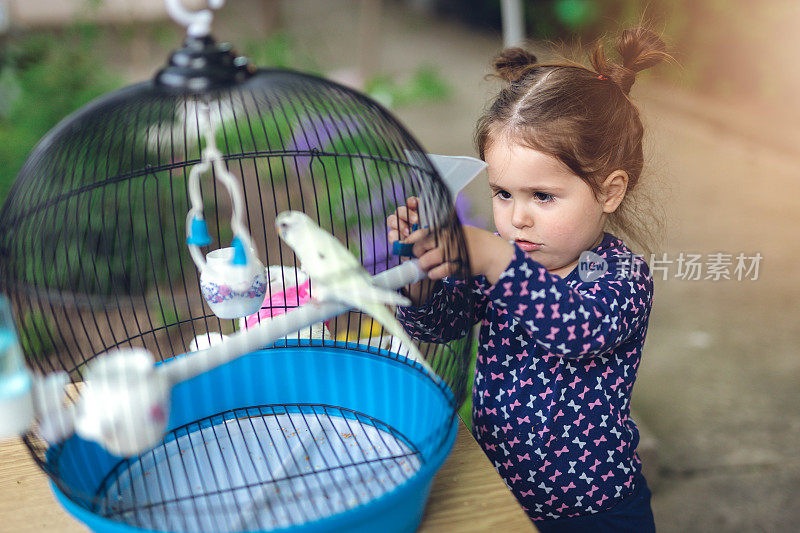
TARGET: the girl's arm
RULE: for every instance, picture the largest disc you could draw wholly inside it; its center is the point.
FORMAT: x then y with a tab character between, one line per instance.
444	308
453	307
578	322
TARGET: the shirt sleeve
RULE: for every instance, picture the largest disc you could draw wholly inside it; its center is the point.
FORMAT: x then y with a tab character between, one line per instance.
452	309
581	320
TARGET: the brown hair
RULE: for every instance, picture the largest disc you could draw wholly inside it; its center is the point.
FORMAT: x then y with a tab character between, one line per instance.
582	117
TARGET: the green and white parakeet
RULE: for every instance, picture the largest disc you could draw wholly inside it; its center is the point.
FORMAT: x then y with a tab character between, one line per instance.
338	276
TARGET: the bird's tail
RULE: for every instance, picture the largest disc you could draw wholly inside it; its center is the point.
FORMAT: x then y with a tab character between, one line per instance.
383	315
377	294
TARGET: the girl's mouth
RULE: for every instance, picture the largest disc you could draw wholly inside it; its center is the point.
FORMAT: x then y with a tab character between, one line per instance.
528	246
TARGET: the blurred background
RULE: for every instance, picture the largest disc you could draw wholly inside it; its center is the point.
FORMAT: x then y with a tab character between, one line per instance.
719	386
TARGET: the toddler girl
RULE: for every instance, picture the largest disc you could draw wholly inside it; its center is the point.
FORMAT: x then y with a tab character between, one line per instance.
563	304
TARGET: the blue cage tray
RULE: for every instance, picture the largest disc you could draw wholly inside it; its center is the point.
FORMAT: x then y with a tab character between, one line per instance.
308	437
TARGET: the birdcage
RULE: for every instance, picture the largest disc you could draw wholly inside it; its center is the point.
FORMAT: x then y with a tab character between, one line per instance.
276	410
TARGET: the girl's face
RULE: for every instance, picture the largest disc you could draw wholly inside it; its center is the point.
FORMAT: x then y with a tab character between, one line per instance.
542	206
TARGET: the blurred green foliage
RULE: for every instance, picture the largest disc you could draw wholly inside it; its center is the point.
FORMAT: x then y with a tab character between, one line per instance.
425	85
37	335
278	50
44	76
553	19
575	13
465	412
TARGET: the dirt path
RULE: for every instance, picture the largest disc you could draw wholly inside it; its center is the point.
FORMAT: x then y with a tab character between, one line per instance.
721	380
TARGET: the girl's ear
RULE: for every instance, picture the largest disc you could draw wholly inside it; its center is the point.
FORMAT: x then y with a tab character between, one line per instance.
614	188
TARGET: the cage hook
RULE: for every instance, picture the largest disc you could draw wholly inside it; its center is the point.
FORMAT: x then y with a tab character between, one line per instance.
198	23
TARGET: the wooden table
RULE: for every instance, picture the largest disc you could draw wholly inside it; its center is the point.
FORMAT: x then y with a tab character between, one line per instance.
467	495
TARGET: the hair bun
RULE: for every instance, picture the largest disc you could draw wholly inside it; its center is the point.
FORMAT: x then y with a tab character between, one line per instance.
513	63
639	48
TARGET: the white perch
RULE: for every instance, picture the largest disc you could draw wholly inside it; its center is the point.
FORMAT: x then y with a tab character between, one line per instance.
269	331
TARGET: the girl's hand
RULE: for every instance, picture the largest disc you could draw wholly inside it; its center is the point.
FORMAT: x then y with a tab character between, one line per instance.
432	253
399	225
404	217
489	254
427	248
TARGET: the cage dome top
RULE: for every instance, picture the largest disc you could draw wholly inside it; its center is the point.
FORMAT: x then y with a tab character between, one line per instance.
202	64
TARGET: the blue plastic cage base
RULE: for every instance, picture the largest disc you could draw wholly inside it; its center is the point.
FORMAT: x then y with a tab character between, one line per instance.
311	438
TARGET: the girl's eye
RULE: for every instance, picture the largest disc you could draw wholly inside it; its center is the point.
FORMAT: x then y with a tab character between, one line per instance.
502	194
543	197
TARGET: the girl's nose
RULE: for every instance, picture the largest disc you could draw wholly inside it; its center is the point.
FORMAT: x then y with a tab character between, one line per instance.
519	216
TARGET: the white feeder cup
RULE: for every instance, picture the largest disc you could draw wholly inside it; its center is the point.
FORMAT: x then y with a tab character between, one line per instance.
232	290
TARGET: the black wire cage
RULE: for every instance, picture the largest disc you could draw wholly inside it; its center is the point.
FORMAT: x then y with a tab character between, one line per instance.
94	258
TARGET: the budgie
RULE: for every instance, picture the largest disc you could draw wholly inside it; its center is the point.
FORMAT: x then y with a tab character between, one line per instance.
338	276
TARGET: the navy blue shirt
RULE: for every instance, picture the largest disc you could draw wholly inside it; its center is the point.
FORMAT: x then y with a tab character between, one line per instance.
557	360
